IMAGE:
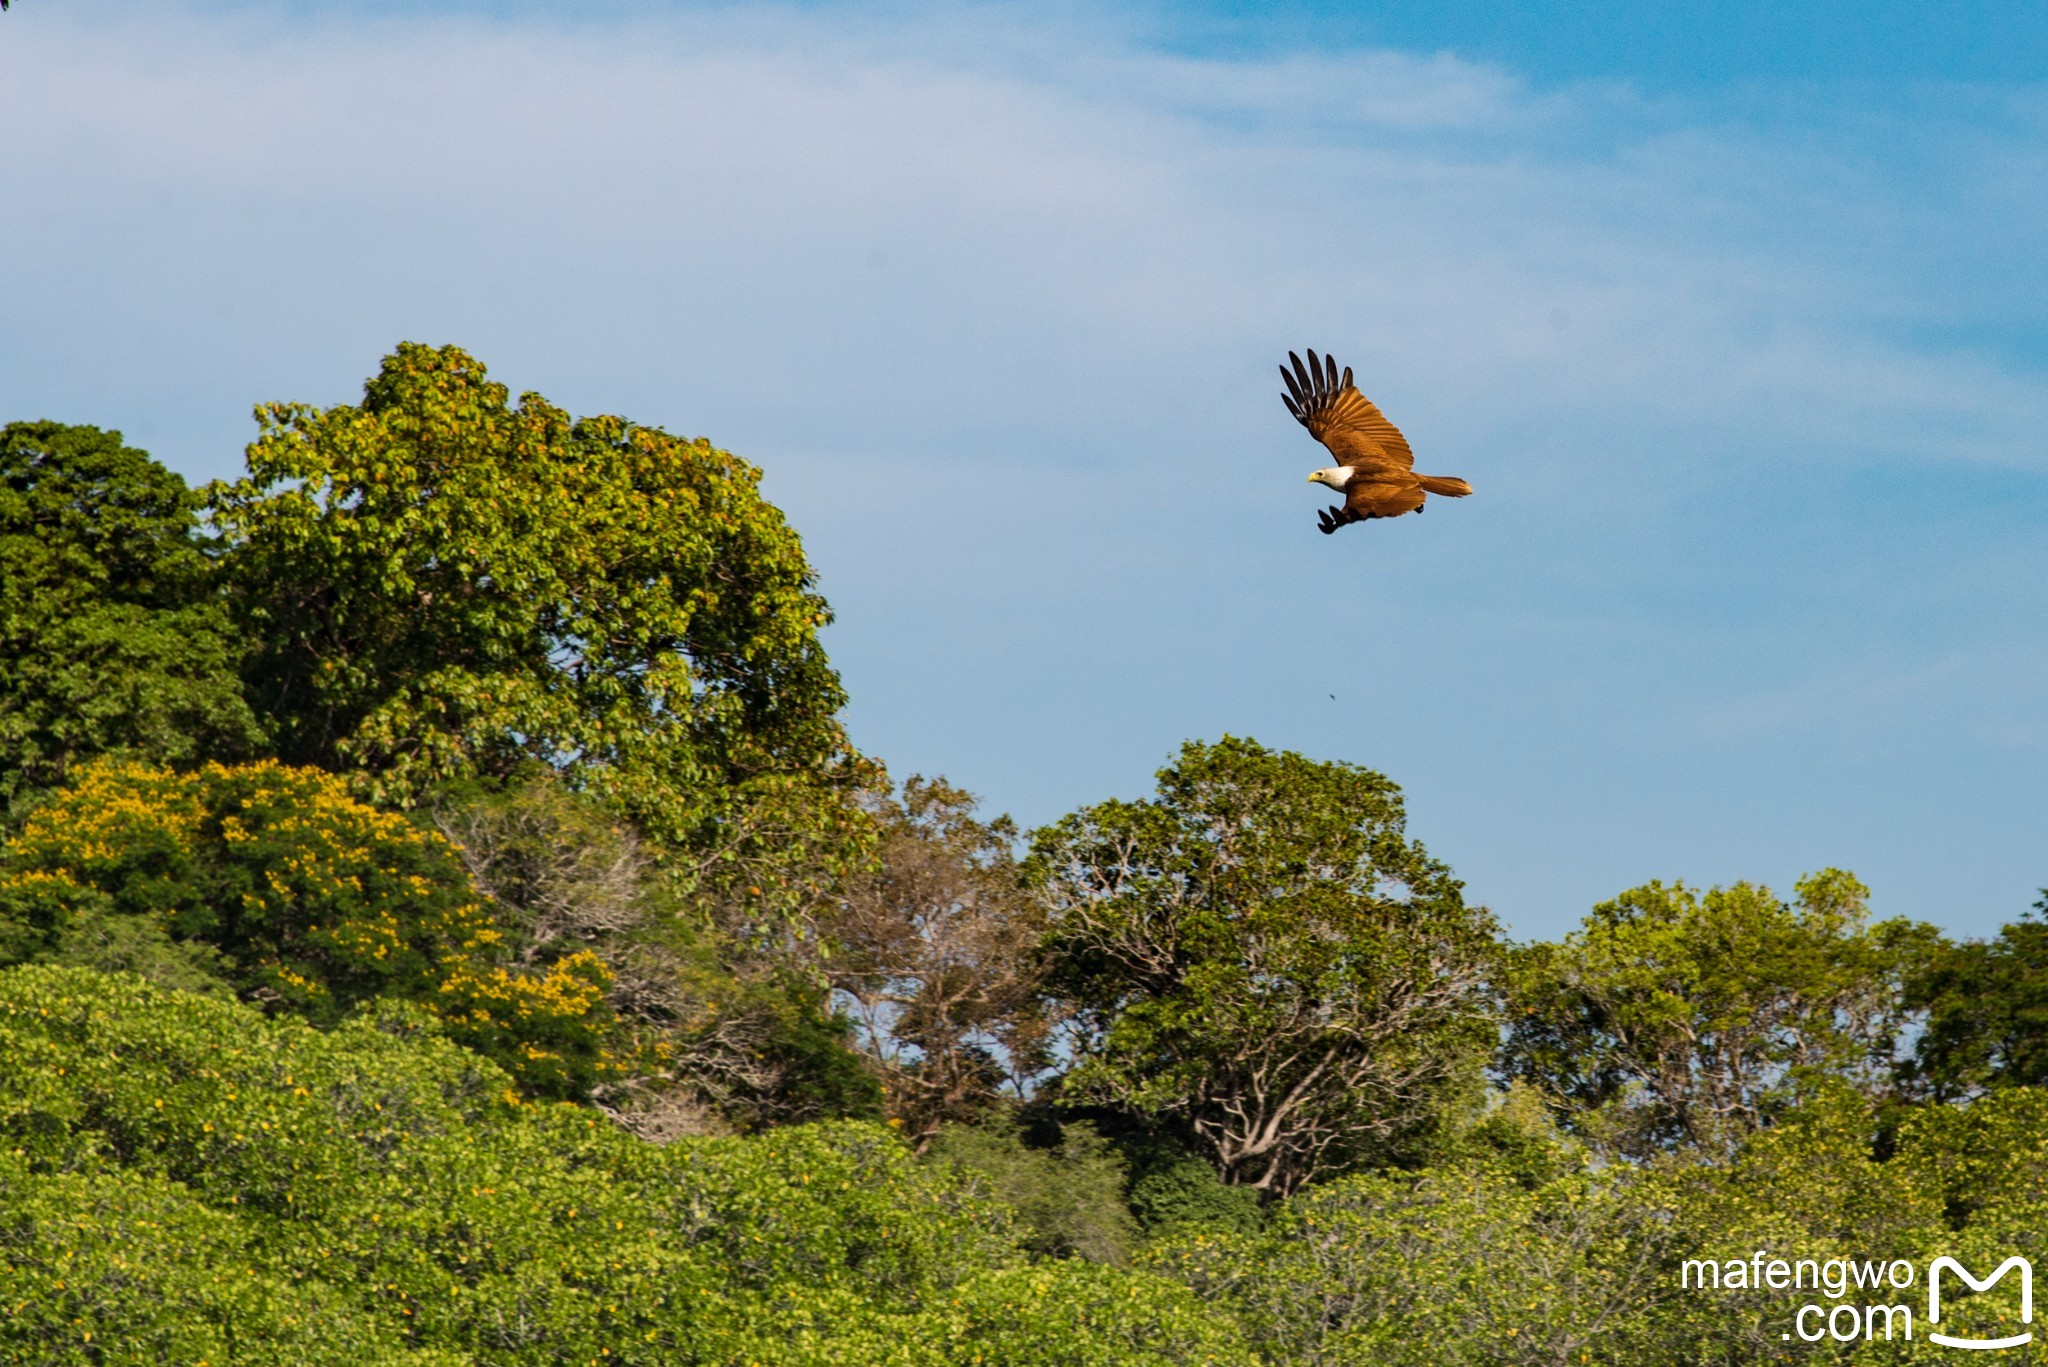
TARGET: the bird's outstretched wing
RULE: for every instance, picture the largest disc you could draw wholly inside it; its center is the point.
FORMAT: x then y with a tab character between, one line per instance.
1341	418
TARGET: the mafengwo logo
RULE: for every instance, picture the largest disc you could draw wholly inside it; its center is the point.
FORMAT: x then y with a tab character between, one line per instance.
1853	1317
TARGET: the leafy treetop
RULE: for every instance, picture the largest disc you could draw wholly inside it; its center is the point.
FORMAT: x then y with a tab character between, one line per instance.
1987	1012
1261	955
1685	1018
110	638
442	583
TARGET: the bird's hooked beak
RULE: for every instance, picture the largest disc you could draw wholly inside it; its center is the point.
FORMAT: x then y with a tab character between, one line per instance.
1312	479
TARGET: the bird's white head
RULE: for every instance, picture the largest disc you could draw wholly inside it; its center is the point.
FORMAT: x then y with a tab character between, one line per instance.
1334	477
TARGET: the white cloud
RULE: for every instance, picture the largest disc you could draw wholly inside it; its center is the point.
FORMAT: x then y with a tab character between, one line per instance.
997	299
939	242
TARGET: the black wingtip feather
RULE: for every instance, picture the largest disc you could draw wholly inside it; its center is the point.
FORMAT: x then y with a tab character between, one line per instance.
1293	384
1308	386
1315	383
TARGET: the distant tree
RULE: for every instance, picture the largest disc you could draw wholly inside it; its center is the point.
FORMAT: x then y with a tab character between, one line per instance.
112	640
1987	1013
1683	1018
934	952
1261	956
566	875
443	584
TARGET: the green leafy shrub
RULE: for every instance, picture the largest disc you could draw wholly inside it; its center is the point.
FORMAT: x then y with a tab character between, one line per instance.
222	1186
1177	1192
118	1267
1073	1314
1460	1265
1069	1198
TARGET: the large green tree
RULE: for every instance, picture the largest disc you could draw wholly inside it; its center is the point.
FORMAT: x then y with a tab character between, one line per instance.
112	640
1260	955
1987	1012
1688	1018
443	583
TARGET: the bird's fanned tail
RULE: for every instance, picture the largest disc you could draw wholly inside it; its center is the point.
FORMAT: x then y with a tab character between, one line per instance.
1450	486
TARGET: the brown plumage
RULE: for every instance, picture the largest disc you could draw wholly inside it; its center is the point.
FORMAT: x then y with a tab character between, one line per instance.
1375	470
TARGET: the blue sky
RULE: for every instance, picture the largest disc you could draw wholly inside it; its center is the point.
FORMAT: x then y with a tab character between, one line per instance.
1734	315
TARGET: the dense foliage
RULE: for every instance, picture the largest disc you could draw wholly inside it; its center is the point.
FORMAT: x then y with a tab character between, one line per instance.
1261	955
441	583
274	883
1680	1018
1987	1011
188	1180
185	1181
442	922
109	639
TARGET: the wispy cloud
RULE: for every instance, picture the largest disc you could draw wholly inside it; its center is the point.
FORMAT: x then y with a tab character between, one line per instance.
996	299
985	231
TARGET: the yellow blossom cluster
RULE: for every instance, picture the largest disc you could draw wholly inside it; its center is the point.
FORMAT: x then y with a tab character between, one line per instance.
315	901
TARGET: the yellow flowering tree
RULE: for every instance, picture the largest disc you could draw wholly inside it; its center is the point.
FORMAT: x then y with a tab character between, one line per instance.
276	883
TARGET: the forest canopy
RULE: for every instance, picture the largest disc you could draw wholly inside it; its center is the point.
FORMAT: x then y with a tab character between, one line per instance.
444	920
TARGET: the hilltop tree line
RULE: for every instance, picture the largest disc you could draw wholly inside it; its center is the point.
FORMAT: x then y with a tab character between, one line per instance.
443	919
